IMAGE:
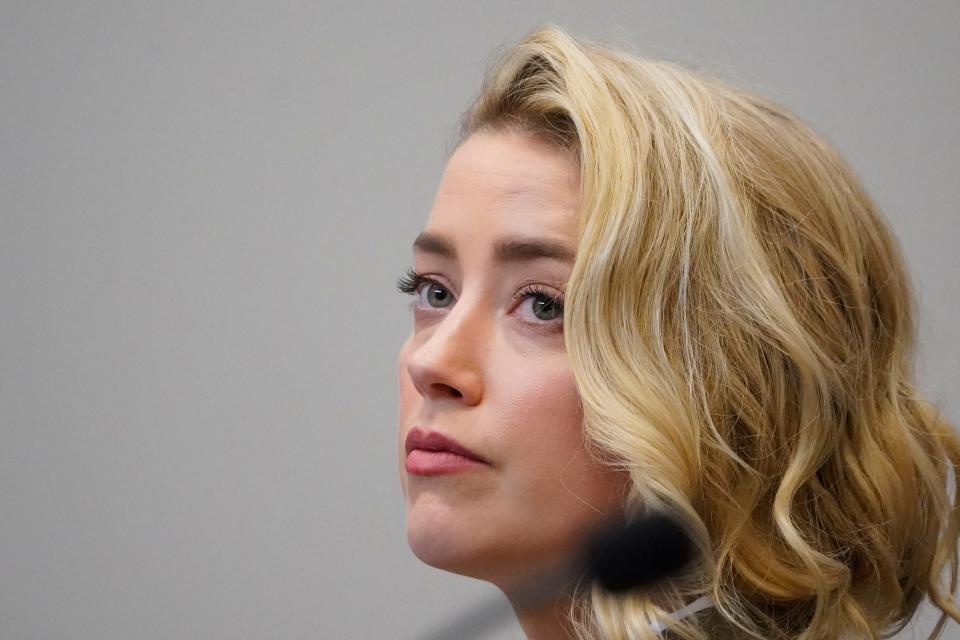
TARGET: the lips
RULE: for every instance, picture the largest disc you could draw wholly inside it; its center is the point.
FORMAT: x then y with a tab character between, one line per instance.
418	438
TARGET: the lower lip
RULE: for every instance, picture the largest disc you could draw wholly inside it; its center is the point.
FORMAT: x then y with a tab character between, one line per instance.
434	463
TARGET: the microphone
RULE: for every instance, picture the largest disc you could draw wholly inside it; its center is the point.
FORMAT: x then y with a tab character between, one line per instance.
639	553
619	556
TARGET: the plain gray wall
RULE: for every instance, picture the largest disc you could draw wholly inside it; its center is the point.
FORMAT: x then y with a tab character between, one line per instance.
204	207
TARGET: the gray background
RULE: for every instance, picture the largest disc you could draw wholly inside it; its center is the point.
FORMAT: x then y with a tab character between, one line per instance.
203	210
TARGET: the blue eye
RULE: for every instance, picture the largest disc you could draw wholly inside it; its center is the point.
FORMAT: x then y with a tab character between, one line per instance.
437	295
543	303
412	282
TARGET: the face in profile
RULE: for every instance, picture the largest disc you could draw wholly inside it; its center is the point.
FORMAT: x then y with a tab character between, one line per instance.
485	365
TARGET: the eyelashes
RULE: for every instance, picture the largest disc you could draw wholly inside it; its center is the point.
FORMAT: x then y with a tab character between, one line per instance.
412	281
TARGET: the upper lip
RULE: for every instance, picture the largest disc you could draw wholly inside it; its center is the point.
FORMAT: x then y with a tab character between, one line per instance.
418	438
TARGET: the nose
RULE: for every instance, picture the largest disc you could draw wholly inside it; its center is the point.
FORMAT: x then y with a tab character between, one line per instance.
448	363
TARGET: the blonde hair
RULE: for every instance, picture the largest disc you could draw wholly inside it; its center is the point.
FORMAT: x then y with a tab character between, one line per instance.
740	324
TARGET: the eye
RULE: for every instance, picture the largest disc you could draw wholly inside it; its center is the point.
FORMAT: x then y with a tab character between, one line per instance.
545	307
543	303
412	282
436	292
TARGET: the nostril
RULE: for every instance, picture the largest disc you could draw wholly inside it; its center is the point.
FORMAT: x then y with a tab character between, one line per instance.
453	392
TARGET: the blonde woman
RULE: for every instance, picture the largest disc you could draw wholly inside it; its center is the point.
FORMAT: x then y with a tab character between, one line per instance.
641	287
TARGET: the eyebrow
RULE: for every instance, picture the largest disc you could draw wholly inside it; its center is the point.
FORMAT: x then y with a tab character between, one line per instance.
505	250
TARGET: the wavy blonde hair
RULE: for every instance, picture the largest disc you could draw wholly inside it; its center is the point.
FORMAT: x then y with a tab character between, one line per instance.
740	324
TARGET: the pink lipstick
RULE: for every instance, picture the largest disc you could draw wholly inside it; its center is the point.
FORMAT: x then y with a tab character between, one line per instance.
431	453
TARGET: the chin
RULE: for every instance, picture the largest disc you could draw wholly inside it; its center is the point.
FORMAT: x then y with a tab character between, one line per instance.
443	544
457	547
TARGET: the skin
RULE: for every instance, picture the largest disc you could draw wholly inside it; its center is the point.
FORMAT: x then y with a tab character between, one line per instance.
491	372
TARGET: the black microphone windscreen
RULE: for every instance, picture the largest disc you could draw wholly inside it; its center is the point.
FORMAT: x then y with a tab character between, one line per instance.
639	553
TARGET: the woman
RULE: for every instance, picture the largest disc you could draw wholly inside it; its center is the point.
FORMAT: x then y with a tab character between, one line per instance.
642	288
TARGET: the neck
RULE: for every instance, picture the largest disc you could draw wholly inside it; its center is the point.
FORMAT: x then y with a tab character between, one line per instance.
549	621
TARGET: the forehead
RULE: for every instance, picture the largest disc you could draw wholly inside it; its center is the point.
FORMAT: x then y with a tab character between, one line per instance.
507	182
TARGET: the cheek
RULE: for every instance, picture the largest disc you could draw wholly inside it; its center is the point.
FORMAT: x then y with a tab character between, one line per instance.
404	386
542	409
548	460
407	397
